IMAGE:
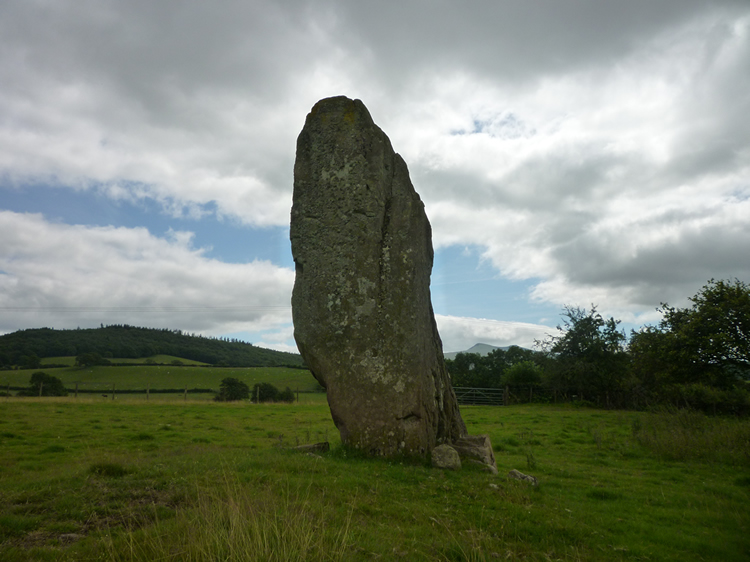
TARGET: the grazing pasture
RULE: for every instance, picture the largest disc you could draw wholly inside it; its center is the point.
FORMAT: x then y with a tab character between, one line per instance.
91	479
140	376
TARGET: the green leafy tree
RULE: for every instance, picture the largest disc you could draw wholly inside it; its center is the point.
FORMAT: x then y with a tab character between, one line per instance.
469	370
523	374
232	389
588	357
42	384
477	371
30	361
707	343
265	392
91	360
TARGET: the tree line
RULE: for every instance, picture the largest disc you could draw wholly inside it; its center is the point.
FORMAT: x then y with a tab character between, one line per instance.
25	348
697	357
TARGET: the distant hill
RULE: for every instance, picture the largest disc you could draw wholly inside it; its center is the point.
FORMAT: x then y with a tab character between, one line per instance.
123	341
479	348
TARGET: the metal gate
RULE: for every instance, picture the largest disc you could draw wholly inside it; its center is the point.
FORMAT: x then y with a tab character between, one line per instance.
479	396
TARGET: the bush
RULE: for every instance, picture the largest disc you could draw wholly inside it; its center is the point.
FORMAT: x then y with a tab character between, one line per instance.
232	389
286	396
709	399
265	392
42	384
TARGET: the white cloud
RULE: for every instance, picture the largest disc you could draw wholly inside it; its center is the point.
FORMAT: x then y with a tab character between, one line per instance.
459	333
281	339
68	276
184	104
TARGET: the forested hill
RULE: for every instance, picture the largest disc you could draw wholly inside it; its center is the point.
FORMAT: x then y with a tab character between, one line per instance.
131	342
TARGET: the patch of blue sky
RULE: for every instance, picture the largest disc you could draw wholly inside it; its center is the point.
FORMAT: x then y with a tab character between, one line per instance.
224	239
504	126
478	127
465	284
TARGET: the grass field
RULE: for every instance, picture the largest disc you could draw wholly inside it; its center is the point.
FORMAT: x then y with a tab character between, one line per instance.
106	480
140	377
166	359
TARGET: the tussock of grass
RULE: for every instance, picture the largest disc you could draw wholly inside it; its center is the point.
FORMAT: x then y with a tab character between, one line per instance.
108	469
13	525
143	436
689	435
230	524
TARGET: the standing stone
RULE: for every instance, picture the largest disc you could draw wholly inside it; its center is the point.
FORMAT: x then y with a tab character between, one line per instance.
363	318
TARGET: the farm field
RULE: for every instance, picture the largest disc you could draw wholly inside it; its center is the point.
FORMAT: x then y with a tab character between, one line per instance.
71	361
106	480
140	376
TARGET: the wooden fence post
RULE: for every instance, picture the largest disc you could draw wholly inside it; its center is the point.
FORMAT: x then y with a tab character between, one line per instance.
185	394
41	386
148	389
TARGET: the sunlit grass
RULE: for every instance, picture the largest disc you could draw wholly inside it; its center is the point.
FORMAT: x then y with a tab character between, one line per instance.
109	480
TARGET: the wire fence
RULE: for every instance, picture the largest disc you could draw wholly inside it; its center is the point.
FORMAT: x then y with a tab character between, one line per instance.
517	394
111	391
465	396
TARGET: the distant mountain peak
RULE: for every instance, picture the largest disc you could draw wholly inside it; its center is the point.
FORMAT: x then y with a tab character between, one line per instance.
479	348
482	348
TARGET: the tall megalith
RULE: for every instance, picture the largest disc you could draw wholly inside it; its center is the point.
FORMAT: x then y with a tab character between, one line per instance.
363	318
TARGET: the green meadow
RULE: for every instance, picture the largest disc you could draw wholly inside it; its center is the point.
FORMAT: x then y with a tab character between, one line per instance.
139	376
93	479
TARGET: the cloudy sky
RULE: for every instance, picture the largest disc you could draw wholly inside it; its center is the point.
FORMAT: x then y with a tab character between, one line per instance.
568	153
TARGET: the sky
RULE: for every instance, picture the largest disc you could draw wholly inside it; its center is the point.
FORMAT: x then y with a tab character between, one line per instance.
569	153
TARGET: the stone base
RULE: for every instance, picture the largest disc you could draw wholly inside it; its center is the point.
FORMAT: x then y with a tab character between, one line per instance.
477	448
445	456
517	475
